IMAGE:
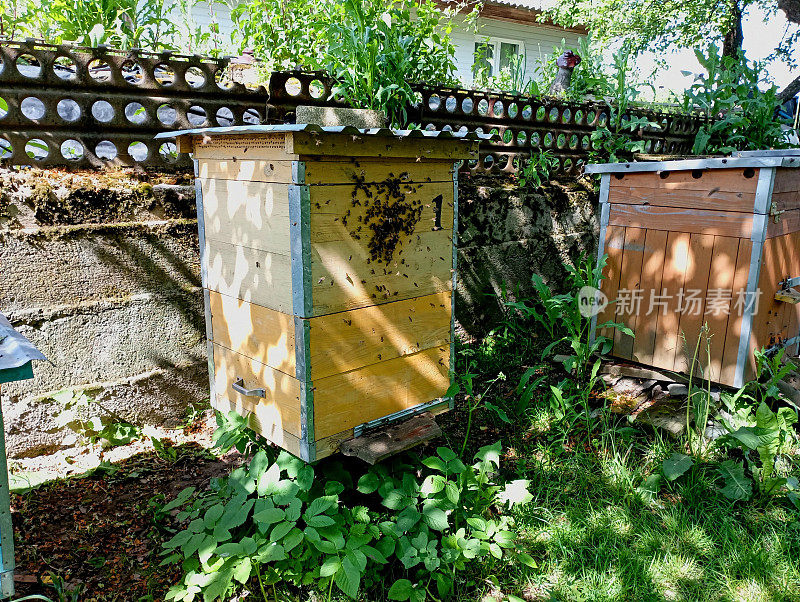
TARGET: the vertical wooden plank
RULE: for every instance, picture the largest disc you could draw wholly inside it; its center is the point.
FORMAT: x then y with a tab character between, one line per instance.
690	322
719	300
768	317
629	292
615	242
734	334
667	318
652	271
794	263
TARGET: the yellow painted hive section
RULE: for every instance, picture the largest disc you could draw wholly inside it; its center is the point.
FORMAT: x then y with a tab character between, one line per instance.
380	238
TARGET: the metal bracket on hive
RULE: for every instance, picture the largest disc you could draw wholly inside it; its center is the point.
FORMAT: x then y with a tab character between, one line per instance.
787	293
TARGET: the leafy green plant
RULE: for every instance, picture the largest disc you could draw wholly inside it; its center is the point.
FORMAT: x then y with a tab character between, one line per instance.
376	50
731	92
449	521
277	521
763	434
61	591
538	168
569	331
117	23
87	418
464	384
286	34
233	432
614	140
699	400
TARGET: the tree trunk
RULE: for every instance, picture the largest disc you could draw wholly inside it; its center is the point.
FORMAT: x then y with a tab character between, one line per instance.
791	8
732	43
789	91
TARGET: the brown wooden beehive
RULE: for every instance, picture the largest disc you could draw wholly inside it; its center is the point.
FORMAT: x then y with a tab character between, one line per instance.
328	268
708	241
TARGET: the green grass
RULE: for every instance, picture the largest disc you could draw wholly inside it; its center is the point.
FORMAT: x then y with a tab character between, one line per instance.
596	539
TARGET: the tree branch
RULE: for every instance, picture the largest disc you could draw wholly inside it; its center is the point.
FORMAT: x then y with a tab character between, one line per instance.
789	91
791	8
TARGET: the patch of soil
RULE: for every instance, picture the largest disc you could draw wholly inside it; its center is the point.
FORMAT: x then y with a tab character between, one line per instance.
99	533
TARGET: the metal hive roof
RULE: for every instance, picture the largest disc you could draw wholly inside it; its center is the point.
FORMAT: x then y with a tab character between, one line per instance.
15	349
343	129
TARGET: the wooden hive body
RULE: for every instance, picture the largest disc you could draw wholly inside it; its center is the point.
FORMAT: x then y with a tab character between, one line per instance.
305	298
705	242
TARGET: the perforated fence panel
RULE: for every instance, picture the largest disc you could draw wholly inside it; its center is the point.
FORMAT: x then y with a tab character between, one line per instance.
63	105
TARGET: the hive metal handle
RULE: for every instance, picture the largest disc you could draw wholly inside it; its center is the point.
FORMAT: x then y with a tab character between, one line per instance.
239	387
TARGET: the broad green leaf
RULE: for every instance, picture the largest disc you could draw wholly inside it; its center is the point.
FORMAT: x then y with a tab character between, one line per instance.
676	465
476	523
737	485
179	500
213	514
241	571
271	552
401	590
373	554
505	539
515	493
305	478
348	579
435	463
446	454
369	483
395	500
178	540
451	490
435	518
319	505
490	454
321	520
407	519
527	560
648	490
433	484
270	516
280	531
268	480
292	540
330	566
220	583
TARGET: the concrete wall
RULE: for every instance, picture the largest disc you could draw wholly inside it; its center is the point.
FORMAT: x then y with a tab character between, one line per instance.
102	274
101	271
506	234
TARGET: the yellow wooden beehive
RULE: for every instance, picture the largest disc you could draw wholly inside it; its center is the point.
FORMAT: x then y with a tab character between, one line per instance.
327	258
698	242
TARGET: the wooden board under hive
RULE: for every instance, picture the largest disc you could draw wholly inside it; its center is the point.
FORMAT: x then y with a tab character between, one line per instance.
701	242
328	270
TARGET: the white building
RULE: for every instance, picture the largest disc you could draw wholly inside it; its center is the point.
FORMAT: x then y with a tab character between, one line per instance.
507	27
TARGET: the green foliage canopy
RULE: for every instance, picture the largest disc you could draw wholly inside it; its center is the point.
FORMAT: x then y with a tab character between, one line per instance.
666	26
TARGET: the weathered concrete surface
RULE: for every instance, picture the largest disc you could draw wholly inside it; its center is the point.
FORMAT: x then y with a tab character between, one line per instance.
506	234
101	271
335	116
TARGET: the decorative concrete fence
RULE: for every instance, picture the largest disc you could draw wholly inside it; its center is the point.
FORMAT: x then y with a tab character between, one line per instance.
65	105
